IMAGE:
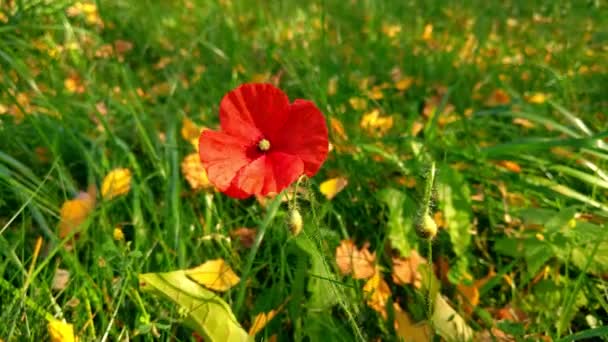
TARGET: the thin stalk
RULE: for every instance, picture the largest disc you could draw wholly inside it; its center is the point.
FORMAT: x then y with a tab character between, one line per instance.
270	214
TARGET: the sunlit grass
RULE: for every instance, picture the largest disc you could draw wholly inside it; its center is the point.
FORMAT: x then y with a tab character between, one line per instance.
508	100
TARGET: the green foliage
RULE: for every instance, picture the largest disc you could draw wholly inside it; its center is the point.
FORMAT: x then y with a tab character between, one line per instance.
90	86
204	311
401	217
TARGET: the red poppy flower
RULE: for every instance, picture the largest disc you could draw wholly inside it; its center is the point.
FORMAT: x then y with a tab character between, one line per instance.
265	142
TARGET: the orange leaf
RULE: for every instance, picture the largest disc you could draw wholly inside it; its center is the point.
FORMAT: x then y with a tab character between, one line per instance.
378	293
361	263
509	165
498	97
408	330
260	321
246	236
338	129
74	212
470	293
405	270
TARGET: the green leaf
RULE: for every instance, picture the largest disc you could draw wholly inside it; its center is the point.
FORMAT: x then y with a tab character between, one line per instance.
536	254
320	283
455	202
204	311
599	262
401	213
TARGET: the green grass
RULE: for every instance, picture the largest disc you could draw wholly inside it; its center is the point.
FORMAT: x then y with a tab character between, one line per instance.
543	227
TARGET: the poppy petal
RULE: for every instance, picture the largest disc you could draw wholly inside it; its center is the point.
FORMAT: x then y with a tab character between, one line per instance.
286	169
270	173
304	135
234	191
253	110
222	156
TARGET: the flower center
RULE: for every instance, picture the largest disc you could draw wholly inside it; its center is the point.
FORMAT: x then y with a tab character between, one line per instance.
264	145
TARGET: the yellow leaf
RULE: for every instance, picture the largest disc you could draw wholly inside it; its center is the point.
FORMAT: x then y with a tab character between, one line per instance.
331	187
337	128
428	32
375	93
378	293
357	103
391	31
525	123
191	132
118	234
214	274
332	86
74	212
409	331
195	173
404	83
116	183
537	98
61	331
73	84
361	263
375	124
260	321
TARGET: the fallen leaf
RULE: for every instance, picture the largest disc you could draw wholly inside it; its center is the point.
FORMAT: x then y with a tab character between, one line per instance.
375	124
337	128
203	311
246	236
404	84
470	293
73	84
448	323
428	32
493	335
417	127
331	187
332	86
378	293
537	98
61	331
409	331
525	123
509	165
361	263
195	173
60	279
260	321
498	97
405	270
358	103
118	234
122	46
116	183
74	212
214	274
391	30
190	131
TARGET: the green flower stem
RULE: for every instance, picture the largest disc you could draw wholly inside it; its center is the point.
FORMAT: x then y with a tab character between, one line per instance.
273	207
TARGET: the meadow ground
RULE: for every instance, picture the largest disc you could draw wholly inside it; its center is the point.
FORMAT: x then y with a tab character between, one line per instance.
485	120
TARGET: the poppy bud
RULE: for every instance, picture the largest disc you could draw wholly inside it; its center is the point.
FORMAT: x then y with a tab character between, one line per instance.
295	221
427	227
